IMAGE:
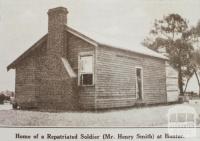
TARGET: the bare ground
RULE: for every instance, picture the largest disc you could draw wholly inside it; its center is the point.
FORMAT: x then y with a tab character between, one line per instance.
146	116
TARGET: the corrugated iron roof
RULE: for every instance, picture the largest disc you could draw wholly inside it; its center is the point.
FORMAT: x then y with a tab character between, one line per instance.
122	42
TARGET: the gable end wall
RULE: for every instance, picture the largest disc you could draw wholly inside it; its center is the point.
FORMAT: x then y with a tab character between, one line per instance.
28	73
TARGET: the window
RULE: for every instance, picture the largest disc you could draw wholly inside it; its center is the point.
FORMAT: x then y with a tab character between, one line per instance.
86	70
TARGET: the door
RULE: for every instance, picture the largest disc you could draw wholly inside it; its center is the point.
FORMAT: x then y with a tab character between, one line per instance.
139	83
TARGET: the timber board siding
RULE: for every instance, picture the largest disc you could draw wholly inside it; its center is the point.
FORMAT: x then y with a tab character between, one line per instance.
116	78
75	46
25	82
28	73
172	84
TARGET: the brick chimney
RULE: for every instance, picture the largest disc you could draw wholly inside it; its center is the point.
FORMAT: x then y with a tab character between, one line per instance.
56	44
57	19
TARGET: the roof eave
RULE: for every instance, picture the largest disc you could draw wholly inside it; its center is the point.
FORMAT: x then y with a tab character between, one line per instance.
115	47
10	67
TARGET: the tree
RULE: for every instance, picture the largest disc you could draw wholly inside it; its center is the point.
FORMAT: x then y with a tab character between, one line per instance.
188	73
193	36
170	33
196	65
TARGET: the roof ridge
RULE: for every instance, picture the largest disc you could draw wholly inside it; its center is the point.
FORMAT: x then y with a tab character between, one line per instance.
85	37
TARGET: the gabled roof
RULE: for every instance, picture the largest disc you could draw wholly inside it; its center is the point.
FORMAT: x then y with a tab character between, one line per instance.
95	39
27	52
123	43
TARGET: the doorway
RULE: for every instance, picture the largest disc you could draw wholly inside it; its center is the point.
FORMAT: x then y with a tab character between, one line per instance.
139	83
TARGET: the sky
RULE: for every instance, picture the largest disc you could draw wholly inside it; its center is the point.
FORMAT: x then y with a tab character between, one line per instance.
23	22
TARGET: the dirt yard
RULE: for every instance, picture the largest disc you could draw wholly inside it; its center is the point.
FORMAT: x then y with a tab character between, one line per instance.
146	116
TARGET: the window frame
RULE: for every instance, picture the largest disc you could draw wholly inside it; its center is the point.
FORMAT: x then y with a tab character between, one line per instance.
82	54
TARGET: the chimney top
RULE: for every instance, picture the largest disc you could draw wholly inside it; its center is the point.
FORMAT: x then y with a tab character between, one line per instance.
57	10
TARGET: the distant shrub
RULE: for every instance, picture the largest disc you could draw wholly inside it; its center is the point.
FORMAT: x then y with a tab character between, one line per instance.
2	98
7	98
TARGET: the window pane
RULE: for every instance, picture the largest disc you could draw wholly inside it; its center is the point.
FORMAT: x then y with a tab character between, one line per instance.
87	79
86	64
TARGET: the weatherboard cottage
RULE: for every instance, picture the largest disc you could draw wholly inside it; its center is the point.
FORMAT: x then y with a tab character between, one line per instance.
70	70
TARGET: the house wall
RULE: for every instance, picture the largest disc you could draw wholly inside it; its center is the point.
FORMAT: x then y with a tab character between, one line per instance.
75	46
35	87
27	78
116	78
171	83
171	79
25	83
